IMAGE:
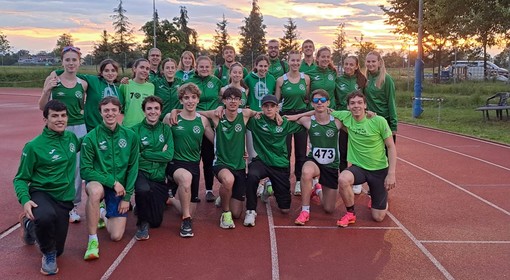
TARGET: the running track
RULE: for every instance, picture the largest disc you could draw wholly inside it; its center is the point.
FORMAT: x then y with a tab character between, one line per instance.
449	219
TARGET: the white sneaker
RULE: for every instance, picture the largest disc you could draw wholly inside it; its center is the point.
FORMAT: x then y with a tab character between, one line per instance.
249	218
217	202
356	189
260	190
73	216
297	188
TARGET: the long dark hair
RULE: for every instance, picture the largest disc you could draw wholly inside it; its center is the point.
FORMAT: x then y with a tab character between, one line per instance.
361	80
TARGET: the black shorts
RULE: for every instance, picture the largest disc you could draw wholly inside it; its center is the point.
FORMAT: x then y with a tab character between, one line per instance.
239	188
191	167
329	176
375	180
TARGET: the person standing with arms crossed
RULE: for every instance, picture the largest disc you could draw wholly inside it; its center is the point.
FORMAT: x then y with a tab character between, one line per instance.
44	185
109	163
324	75
71	90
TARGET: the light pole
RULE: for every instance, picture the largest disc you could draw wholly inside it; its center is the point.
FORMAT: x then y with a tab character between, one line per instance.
418	70
154	20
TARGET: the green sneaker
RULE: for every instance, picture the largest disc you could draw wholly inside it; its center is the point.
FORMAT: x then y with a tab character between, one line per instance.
92	251
101	223
226	220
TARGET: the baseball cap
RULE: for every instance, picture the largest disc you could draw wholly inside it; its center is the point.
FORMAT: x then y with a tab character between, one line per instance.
269	99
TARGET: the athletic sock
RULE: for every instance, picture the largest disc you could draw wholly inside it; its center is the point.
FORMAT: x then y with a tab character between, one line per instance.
208	191
318	191
92	237
350	209
305	208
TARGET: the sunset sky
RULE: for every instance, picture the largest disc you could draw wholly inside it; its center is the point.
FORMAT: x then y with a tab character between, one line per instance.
35	25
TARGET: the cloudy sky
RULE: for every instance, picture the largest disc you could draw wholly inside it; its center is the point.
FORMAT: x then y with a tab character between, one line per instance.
35	25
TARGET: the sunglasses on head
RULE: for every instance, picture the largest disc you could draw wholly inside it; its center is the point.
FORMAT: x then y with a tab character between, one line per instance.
322	99
70	48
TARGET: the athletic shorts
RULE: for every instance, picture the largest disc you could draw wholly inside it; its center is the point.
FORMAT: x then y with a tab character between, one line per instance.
328	177
191	167
375	180
112	202
239	188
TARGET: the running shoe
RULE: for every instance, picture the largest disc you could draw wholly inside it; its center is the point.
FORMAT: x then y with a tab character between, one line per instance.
249	218
209	197
297	188
226	220
260	190
92	252
186	227
49	263
142	232
356	189
27	235
73	216
315	188
101	223
303	217
217	202
348	218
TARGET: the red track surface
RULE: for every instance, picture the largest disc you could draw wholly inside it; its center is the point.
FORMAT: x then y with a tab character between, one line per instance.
449	219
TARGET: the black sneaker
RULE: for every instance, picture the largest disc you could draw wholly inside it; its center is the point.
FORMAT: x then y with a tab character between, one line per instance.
195	199
27	235
142	232
187	228
209	197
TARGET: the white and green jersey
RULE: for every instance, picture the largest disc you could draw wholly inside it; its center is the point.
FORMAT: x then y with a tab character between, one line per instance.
229	142
293	95
73	99
188	136
324	142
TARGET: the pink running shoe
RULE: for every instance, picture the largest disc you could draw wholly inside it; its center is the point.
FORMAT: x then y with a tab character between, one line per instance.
348	218
303	218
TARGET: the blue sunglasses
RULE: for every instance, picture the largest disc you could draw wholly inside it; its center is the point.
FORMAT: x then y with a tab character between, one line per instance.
71	48
322	99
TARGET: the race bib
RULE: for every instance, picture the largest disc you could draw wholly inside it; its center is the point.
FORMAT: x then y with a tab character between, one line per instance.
324	155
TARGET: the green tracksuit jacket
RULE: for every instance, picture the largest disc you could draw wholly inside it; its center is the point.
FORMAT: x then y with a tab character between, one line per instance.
108	156
48	163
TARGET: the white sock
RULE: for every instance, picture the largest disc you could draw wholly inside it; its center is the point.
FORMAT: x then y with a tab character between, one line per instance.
208	191
93	237
102	213
305	208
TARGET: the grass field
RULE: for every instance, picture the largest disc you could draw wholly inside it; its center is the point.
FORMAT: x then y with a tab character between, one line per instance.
457	112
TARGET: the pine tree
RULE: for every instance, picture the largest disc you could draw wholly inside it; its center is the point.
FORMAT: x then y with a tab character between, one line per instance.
63	40
339	45
289	40
102	49
253	36
189	35
169	39
220	40
123	42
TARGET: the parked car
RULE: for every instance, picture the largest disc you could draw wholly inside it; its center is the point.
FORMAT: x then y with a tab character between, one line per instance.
475	69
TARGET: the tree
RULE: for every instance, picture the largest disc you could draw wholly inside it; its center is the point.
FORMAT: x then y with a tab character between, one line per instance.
169	39
363	49
339	45
190	35
253	36
4	44
63	41
103	49
220	39
289	40
123	42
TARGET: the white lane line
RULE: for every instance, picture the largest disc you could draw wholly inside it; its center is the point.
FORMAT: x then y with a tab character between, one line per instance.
424	250
455	152
458	187
464	242
9	231
274	247
456	134
335	227
119	259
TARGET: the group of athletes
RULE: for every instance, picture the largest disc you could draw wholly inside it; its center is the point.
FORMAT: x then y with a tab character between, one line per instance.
242	126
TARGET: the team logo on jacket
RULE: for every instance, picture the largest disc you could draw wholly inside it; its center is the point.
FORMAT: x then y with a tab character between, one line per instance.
278	68
238	128
122	143
330	133
210	84
145	141
302	87
78	94
196	129
279	129
330	77
343	87
161	138
102	145
72	148
55	157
